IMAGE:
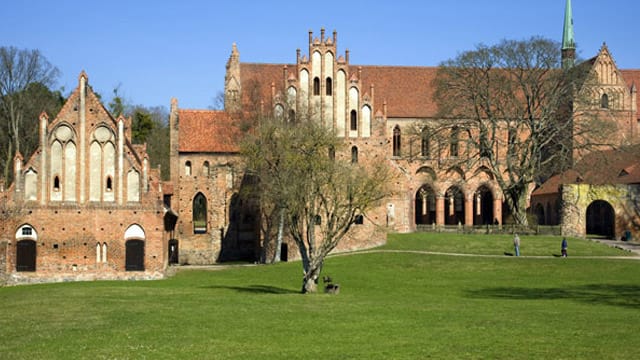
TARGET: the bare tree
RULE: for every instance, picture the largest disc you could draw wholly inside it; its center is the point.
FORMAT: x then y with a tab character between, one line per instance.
318	197
510	108
21	73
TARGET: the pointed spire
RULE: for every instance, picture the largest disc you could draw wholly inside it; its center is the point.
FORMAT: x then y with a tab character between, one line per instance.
568	41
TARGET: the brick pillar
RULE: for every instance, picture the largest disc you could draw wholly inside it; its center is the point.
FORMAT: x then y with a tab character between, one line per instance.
468	210
497	210
439	210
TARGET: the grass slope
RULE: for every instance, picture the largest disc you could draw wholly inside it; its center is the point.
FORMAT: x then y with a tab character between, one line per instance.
392	306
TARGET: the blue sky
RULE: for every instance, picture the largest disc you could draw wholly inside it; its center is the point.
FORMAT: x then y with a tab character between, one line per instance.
156	50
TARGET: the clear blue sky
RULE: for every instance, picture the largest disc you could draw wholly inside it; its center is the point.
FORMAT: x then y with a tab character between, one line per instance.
156	50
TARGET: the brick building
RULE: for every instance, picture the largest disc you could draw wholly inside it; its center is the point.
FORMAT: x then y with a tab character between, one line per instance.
85	204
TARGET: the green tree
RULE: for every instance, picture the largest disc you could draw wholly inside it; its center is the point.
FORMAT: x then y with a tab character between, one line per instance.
25	79
514	110
317	197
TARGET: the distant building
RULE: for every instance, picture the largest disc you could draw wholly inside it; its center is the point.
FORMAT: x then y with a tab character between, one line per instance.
84	205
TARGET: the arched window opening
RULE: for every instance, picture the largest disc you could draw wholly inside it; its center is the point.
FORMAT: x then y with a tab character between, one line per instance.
199	214
316	86
354	155
318	220
604	101
187	168
109	185
396	141
98	253
56	183
454	141
206	169
329	86
292	116
359	219
424	146
354	120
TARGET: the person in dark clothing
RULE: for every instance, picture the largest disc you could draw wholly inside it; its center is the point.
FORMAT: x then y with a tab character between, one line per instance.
564	247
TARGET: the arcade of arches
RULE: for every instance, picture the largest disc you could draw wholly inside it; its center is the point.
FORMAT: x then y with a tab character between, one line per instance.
457	205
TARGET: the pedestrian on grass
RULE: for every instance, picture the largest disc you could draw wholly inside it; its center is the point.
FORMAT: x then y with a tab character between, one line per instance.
516	244
564	247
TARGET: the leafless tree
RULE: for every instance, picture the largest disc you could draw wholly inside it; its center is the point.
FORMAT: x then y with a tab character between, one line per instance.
23	74
510	108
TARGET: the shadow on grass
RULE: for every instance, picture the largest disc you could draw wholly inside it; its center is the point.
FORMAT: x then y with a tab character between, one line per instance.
627	296
256	289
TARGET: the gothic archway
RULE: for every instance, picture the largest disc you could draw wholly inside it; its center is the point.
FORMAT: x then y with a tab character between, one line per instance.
454	206
483	206
425	205
601	219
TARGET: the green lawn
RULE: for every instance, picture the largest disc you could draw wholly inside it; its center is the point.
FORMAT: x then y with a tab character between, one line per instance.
391	306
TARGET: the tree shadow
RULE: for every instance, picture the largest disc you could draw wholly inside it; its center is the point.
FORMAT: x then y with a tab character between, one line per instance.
627	296
256	289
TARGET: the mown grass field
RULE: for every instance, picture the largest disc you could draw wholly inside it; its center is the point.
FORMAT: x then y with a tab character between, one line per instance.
392	305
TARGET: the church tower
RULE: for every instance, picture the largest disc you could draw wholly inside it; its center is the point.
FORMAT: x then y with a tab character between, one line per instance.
568	42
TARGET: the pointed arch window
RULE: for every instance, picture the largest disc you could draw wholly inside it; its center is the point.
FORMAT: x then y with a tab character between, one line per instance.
354	120
354	155
109	184
292	116
454	142
187	168
604	101
206	169
316	86
396	141
329	86
424	148
199	214
56	183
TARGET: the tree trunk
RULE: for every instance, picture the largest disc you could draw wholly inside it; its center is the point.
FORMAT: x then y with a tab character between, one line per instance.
277	253
310	279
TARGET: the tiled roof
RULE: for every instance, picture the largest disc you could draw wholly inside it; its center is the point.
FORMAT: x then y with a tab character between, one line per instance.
599	168
407	90
207	131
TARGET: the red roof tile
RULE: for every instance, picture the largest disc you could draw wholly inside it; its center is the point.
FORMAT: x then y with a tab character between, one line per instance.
599	168
207	131
392	84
